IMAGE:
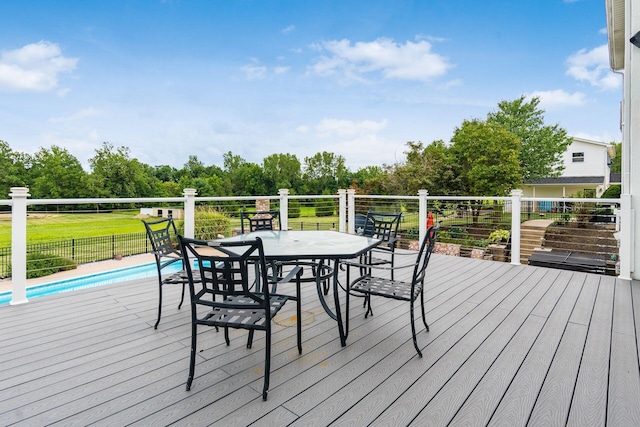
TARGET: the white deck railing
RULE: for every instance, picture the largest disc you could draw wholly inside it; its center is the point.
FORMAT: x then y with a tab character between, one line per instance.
347	207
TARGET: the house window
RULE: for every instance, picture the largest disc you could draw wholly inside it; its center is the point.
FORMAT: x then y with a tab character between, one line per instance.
578	157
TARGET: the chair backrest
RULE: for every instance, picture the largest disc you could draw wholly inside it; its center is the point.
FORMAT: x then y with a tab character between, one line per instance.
225	272
424	254
260	220
161	234
362	225
384	225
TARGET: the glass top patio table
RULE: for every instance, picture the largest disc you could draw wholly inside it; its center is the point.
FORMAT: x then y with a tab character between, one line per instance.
292	245
296	245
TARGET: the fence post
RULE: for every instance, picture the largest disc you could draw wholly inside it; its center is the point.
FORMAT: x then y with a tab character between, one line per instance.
422	215
19	245
189	211
342	211
351	210
284	208
516	209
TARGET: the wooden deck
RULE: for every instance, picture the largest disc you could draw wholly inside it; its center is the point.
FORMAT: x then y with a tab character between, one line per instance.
509	345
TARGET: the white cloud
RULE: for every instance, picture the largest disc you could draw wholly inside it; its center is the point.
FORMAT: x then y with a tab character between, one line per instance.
558	98
592	66
411	61
34	67
348	128
289	29
281	69
254	71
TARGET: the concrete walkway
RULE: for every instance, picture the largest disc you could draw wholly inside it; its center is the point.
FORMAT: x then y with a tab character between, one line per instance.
541	223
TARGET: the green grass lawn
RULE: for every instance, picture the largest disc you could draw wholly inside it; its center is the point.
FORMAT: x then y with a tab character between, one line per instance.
52	227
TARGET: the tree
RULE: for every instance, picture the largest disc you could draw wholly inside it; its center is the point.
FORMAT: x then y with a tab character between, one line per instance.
165	173
194	168
541	146
325	172
115	174
616	161
485	158
368	180
282	171
56	173
14	167
247	179
427	167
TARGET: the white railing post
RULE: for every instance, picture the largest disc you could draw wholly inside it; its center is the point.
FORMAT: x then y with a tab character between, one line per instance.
516	209
189	212
626	224
342	210
19	245
284	208
351	210
422	214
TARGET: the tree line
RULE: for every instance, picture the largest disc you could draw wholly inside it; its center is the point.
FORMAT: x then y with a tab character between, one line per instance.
486	157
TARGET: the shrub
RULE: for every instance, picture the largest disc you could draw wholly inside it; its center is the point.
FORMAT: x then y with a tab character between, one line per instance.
458	233
324	207
613	192
498	236
209	223
40	265
294	208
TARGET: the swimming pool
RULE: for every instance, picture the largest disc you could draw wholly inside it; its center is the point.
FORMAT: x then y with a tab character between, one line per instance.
141	271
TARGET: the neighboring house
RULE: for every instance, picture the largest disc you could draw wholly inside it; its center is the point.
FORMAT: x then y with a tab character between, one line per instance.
586	168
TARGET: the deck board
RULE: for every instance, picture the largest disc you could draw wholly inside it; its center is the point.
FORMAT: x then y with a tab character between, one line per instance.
508	345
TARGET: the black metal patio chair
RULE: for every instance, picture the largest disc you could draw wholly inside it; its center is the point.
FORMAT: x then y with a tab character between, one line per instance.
260	220
383	226
379	225
224	297
162	235
371	285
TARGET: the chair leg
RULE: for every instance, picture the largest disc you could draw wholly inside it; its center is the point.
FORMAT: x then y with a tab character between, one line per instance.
192	362
299	315
159	305
226	335
369	311
267	363
424	319
182	298
249	338
413	331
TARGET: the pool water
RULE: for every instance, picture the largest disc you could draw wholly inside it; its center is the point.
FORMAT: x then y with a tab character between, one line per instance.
141	271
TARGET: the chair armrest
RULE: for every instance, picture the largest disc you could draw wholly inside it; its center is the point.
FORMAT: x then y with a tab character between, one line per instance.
375	266
295	271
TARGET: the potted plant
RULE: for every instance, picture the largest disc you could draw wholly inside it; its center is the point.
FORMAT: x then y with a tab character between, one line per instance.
498	246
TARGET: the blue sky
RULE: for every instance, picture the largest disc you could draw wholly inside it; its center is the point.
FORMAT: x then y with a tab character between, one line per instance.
173	78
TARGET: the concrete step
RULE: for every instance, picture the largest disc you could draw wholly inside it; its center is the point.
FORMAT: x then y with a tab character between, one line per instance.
531	237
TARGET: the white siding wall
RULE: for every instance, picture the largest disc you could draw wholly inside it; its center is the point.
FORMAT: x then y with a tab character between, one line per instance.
595	159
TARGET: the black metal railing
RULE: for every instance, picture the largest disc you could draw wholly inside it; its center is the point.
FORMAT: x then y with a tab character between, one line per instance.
83	250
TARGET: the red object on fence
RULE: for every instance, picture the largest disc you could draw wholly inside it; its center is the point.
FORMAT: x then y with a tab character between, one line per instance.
429	220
